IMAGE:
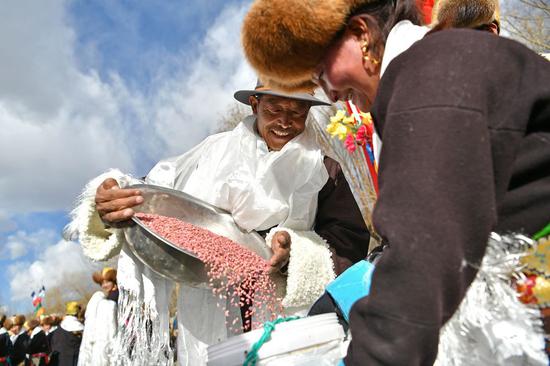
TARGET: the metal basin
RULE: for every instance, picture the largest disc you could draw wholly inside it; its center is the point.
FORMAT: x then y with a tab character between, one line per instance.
167	259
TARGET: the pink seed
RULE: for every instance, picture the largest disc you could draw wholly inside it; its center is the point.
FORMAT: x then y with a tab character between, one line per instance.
237	271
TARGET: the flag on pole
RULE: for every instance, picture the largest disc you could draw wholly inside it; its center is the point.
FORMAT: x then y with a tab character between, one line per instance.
37	301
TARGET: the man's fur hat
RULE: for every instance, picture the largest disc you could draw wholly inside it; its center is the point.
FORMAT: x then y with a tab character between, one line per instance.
46	320
284	40
466	13
31	324
18	320
107	274
8	323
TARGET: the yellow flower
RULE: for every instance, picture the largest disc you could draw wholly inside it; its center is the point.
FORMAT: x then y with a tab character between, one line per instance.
349	121
339	116
366	117
341	131
331	128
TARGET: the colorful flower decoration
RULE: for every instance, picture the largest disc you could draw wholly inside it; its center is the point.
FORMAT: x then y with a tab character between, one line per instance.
353	131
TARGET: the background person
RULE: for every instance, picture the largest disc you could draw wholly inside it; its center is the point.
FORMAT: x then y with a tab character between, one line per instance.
100	321
5	342
38	349
19	340
65	341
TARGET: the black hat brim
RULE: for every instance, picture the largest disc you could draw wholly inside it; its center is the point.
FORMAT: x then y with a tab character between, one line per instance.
243	96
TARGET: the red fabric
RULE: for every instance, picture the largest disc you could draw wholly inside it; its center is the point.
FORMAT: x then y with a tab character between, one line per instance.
426	7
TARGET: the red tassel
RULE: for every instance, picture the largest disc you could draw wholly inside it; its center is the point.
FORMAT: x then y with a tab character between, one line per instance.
425	7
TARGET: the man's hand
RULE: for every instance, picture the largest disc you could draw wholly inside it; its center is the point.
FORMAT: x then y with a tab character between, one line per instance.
115	204
280	244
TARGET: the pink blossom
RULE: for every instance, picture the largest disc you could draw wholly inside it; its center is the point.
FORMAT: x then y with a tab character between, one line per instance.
364	134
350	143
361	134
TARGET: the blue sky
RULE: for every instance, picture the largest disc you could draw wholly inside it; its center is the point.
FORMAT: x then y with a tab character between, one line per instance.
86	86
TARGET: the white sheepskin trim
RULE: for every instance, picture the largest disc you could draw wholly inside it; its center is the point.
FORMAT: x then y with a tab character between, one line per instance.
98	242
310	267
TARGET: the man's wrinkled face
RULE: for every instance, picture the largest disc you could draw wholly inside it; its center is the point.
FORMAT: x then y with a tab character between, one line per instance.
279	119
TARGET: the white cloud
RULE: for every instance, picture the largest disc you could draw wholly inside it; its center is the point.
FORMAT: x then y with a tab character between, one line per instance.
20	243
62	125
16	249
187	108
58	264
6	224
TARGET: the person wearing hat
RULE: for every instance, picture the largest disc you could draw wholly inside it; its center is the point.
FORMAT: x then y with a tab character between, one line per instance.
19	340
48	323
480	15
100	324
271	175
65	341
38	348
5	342
464	121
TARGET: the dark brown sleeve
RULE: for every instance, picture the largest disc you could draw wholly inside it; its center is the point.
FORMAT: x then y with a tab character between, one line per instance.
339	220
436	209
437	202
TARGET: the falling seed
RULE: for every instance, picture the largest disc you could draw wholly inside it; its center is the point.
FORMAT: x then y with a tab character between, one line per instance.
233	270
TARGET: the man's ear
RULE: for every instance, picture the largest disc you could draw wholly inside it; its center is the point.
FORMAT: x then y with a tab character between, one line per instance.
254	103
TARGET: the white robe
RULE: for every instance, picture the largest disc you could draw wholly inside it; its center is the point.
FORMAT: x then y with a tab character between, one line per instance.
99	334
235	171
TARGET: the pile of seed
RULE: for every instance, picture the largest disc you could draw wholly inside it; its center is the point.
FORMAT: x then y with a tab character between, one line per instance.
234	271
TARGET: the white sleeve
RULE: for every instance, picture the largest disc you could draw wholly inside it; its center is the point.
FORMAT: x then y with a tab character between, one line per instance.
98	242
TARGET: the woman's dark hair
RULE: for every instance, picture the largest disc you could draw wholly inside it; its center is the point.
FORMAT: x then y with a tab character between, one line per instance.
383	15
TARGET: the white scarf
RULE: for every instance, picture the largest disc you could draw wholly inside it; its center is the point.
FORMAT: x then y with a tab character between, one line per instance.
14	337
35	331
71	324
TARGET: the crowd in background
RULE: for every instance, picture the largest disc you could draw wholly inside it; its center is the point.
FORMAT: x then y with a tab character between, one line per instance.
81	336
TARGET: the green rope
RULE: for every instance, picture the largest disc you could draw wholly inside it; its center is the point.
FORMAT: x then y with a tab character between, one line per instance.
252	355
541	234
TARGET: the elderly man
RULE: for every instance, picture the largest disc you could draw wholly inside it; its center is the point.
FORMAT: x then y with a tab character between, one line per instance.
271	175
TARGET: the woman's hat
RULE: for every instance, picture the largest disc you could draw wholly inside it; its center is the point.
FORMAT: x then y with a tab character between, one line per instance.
31	324
466	13
46	320
284	40
18	320
7	324
244	95
107	274
72	308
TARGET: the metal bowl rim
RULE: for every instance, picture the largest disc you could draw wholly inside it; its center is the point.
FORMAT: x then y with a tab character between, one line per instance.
187	197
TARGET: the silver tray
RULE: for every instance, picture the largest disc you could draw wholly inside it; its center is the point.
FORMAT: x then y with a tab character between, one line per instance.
167	259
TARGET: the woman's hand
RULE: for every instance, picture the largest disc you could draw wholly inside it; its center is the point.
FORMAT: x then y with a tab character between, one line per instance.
113	203
280	244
